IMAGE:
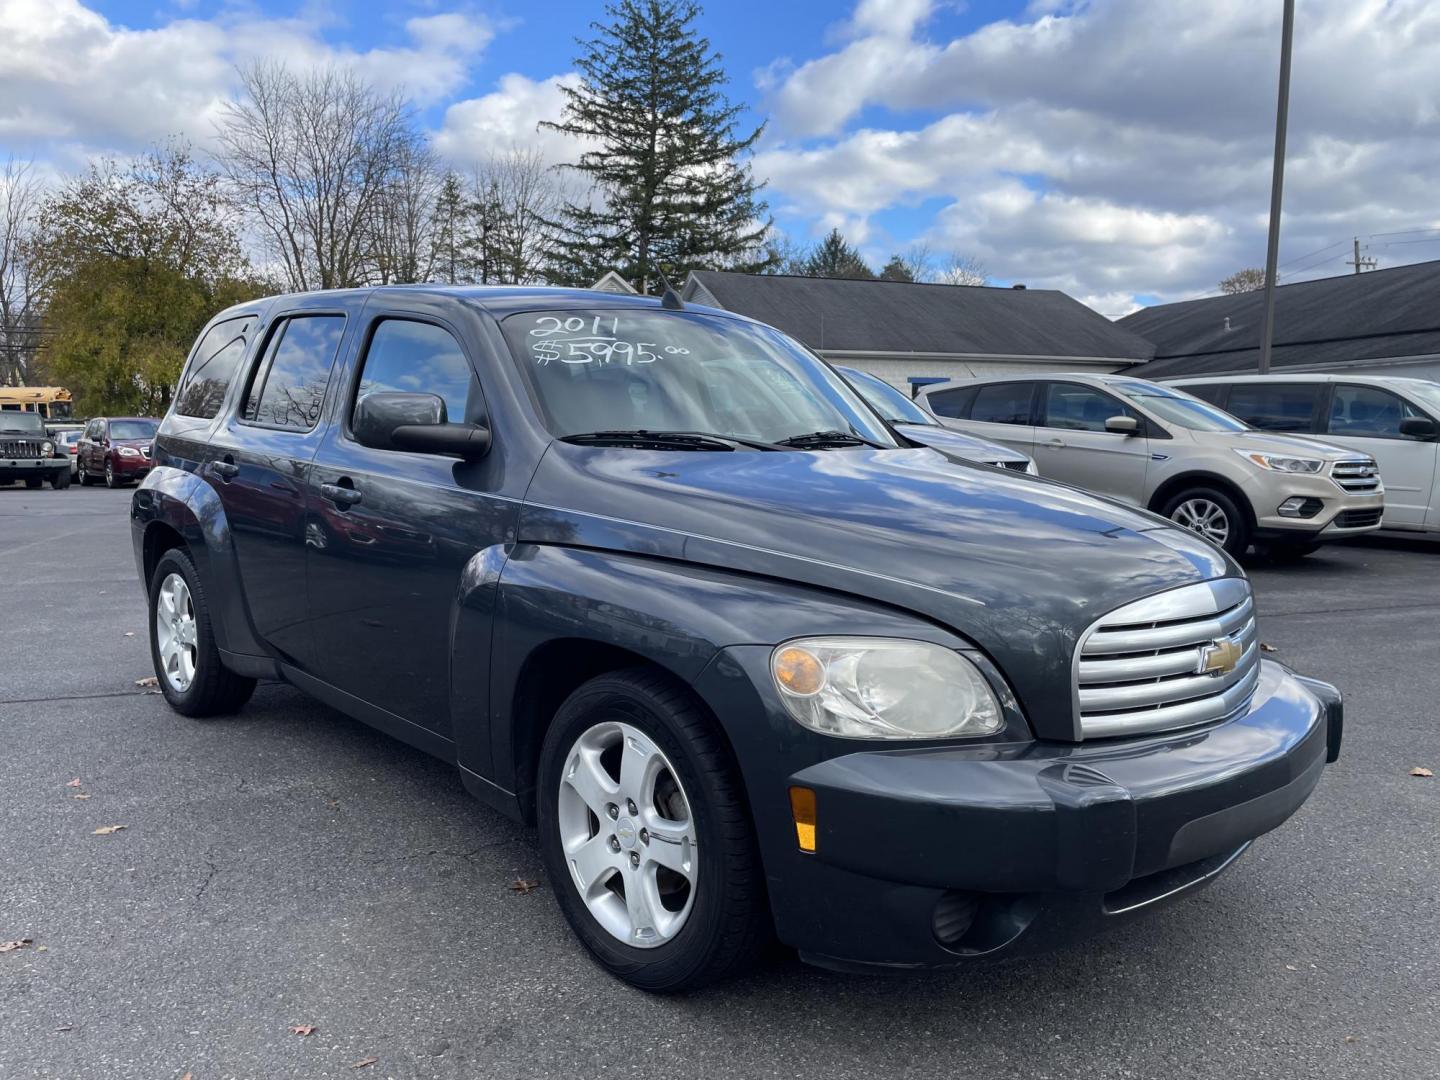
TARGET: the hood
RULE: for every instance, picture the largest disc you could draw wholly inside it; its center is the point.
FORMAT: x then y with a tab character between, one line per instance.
1271	443
1018	565
958	443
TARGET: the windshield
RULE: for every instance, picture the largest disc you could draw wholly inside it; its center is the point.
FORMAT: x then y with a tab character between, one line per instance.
1426	393
886	400
132	429
1179	408
27	422
634	369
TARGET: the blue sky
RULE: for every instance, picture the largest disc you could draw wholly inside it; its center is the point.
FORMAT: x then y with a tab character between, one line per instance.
1115	149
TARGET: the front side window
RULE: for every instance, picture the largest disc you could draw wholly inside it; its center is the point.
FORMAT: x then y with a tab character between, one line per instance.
1276	406
212	368
289	384
421	358
640	369
1078	408
1368	413
1178	408
1003	403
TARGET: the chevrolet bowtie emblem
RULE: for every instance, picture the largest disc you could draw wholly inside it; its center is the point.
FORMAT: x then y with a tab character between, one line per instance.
1218	657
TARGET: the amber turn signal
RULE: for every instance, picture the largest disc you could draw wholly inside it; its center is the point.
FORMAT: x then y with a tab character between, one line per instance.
802	809
799	671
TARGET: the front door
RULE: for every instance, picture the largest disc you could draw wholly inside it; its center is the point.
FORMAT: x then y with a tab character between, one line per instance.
1072	445
1366	419
391	532
258	462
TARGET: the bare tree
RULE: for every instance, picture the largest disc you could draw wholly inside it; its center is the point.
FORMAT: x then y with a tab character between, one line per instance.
22	276
1242	281
402	234
515	199
961	269
313	156
919	261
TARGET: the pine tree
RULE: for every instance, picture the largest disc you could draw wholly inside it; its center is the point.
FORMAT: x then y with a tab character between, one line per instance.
672	191
833	257
452	255
897	269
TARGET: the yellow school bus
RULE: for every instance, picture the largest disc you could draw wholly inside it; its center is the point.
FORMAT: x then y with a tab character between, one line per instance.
51	402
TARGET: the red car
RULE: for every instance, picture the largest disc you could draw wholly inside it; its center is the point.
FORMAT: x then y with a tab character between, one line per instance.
115	448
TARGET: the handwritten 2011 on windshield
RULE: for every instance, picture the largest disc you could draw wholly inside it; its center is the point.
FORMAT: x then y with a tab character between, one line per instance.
595	340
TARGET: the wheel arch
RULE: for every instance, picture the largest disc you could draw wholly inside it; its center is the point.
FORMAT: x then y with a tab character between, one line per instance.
1186	481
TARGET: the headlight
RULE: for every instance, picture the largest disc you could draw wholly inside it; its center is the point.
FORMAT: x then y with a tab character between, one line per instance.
1280	462
884	688
47	448
128	451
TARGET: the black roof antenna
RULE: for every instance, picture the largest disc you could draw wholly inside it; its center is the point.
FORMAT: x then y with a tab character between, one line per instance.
670	299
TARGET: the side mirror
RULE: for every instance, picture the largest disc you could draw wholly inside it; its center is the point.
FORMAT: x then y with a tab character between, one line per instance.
1418	427
387	420
1122	425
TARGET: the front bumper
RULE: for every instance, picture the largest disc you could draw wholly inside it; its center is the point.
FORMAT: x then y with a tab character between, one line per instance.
131	468
939	857
22	468
1341	513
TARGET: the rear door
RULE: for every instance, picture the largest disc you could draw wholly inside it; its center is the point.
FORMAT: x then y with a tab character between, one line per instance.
1072	445
1367	419
1001	412
259	462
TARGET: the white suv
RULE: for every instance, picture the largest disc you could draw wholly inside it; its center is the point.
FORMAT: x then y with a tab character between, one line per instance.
1394	420
1158	447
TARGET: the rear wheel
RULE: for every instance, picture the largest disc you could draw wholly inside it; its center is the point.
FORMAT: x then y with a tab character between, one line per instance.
646	834
1214	515
182	646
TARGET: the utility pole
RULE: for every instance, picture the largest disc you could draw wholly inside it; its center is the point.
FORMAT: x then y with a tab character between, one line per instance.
1367	263
1277	184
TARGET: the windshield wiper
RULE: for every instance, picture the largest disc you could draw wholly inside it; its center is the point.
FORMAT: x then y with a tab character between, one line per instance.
665	440
814	440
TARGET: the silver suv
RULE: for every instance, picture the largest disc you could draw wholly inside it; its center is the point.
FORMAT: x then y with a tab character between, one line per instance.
1160	448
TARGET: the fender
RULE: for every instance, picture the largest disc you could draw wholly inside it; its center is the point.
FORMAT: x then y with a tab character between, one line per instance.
180	500
563	615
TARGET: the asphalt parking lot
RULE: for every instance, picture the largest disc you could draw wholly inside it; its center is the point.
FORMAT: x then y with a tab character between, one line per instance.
291	867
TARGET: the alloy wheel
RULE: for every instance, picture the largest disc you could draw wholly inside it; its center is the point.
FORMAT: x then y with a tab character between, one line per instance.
1204	517
175	635
628	834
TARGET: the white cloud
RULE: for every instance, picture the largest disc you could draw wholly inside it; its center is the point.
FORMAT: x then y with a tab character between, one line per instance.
75	82
1117	147
476	129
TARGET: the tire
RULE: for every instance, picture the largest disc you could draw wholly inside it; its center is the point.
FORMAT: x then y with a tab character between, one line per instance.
33	483
721	910
81	475
60	481
1191	506
111	481
212	689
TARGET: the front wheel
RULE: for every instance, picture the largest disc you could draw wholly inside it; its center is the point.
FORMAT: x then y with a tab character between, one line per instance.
646	834
60	481
110	479
1214	515
182	645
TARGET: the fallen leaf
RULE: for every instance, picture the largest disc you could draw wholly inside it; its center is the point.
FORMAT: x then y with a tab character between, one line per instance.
303	1029
1352	1038
42	948
187	1076
129	633
1291	967
1267	648
520	885
149	680
18	943
80	795
364	1062
1420	770
106	830
73	783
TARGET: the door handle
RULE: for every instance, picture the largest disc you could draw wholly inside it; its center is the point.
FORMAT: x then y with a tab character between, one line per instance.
226	469
341	495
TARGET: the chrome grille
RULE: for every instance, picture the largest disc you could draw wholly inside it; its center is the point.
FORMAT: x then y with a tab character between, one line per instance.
1357	474
1157	664
20	448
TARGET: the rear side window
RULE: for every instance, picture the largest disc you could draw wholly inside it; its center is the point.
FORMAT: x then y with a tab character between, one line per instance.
1275	407
289	384
1214	393
1367	412
421	358
1003	403
952	403
213	368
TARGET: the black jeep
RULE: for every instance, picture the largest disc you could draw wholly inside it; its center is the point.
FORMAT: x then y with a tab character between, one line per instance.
28	452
